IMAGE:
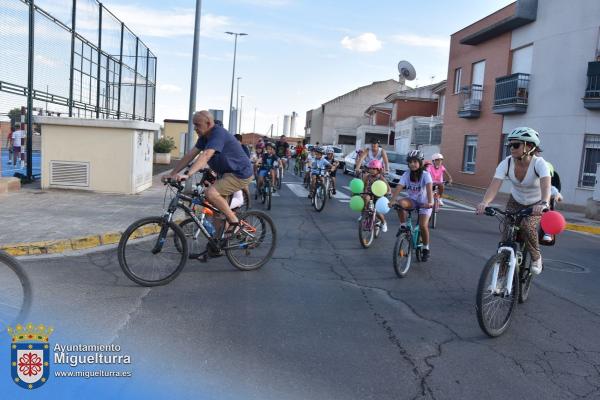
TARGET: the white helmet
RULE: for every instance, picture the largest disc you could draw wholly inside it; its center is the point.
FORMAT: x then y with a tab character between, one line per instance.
525	134
437	156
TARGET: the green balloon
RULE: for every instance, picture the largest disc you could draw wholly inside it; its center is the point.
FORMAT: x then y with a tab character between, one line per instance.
357	185
357	203
379	188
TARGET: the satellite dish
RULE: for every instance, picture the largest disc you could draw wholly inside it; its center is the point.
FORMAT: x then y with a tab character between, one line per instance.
406	70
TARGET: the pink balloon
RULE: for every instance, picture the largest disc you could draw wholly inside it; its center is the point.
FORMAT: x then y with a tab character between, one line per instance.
553	222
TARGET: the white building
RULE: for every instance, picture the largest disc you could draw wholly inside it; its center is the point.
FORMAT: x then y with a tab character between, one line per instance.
336	120
555	51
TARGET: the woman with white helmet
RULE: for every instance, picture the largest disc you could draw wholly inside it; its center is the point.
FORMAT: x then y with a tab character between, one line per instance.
530	180
437	172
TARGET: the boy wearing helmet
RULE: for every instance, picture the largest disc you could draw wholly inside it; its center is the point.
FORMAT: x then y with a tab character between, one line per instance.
267	164
530	180
317	168
437	171
419	187
374	173
330	157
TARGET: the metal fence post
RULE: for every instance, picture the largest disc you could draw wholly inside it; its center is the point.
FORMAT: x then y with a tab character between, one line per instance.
29	141
147	74
99	60
120	72
137	44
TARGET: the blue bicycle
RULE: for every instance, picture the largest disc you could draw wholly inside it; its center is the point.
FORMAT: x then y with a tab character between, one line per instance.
407	239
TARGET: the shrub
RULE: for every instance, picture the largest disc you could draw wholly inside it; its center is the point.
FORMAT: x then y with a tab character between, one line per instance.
164	145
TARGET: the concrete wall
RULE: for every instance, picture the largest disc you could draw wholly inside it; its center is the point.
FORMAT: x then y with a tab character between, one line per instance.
488	127
564	40
174	129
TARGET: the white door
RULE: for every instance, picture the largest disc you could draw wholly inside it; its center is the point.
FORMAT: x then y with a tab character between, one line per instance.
521	60
478	73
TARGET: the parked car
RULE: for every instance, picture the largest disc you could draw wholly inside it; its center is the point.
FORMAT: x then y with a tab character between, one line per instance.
397	164
349	162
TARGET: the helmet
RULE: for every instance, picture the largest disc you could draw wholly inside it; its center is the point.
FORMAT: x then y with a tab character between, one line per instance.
270	144
376	164
437	156
319	149
329	150
260	145
415	155
525	134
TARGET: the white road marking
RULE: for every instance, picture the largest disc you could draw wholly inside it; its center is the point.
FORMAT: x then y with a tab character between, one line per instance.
298	189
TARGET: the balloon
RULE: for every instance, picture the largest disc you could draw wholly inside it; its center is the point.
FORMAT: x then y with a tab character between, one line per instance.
382	205
379	188
357	185
553	222
357	203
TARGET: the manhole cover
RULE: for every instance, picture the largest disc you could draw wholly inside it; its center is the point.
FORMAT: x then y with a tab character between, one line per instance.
564	266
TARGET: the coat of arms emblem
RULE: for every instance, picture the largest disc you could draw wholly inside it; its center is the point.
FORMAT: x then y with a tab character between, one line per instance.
30	355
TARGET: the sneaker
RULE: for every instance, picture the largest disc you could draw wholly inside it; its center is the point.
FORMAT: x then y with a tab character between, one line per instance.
425	254
333	191
384	227
547	238
536	266
274	190
441	202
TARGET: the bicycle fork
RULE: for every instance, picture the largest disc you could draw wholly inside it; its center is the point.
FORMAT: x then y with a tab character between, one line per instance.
512	263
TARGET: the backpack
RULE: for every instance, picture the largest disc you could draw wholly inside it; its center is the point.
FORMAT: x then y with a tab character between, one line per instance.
508	168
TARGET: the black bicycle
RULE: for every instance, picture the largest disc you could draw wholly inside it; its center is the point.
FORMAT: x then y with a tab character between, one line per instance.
266	191
16	295
369	226
507	275
319	195
154	250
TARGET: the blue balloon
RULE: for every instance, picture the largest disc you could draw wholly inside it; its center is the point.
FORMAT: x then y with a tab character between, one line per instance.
382	205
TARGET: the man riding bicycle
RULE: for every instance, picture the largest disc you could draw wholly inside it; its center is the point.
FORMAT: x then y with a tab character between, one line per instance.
530	180
372	152
223	153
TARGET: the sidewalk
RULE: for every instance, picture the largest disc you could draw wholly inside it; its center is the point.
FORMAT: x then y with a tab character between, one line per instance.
56	221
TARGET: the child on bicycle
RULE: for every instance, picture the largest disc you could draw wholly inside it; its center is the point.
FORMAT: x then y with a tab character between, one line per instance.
437	171
308	160
267	165
374	173
317	168
260	150
419	187
330	157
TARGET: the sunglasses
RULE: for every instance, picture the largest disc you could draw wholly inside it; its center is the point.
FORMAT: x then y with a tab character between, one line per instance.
514	145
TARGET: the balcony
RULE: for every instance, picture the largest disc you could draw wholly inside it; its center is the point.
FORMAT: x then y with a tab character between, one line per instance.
591	101
470	101
511	94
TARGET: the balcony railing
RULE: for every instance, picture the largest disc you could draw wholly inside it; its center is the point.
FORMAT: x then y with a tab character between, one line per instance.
470	101
591	101
511	94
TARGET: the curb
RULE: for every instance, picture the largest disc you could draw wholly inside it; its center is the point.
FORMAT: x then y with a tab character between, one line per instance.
61	246
594	230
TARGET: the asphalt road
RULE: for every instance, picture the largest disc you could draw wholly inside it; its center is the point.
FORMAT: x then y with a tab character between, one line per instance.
327	319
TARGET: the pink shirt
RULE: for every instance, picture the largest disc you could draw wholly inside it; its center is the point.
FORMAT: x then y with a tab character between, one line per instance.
437	174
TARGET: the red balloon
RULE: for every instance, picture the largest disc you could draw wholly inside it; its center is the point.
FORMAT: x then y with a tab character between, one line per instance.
553	222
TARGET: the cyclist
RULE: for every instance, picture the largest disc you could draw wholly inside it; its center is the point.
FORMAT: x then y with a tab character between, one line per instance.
319	164
372	152
223	153
374	173
266	165
282	147
437	171
310	157
330	157
258	153
419	187
530	180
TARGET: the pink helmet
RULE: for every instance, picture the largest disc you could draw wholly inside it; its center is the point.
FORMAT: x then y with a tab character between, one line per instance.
376	164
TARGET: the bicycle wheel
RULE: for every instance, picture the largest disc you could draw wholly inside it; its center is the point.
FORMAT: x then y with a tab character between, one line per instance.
365	230
268	197
255	243
320	197
402	254
16	294
279	178
525	277
494	305
196	241
247	204
377	227
152	252
434	213
419	249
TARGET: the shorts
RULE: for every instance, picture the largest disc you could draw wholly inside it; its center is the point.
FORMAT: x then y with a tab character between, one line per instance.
16	149
332	173
263	172
414	204
317	172
230	184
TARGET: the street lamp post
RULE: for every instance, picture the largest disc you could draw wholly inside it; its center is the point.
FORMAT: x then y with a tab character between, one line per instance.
237	101
241	106
236	34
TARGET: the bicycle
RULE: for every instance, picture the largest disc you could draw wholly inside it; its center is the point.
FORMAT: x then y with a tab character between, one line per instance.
319	195
298	170
408	239
506	276
153	250
436	204
266	191
16	295
369	226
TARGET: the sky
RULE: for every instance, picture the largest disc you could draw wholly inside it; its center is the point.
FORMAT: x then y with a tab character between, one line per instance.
297	55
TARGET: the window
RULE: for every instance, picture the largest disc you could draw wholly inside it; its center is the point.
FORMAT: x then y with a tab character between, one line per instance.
470	153
591	157
521	60
478	73
457	76
346	139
